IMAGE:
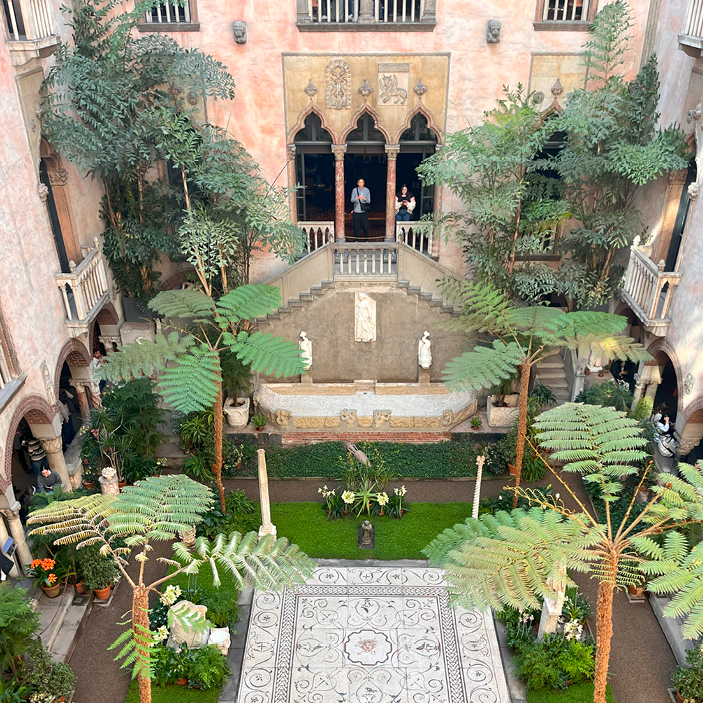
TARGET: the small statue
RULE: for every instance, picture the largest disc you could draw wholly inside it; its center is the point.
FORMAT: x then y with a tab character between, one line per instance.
493	32
306	348
424	351
240	32
357	454
366	541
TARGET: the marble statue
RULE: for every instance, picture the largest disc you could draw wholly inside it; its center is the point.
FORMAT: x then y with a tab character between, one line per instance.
424	351
239	29
306	348
186	628
493	32
365	318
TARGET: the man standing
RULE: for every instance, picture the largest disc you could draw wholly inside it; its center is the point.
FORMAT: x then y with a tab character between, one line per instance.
361	198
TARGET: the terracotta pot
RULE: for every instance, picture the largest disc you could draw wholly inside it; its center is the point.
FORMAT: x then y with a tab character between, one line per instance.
679	697
512	470
381	513
182	682
259	429
51	591
239	465
636	590
401	513
79	588
89	485
346	512
122	484
475	429
587	371
102	593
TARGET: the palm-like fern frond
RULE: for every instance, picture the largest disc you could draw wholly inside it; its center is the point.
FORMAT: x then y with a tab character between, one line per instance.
505	559
266	353
602	444
483	367
190	383
483	308
249	302
188	303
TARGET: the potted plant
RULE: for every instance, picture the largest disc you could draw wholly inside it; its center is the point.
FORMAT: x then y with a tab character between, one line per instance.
44	573
688	680
99	573
181	665
382	499
259	422
476	423
348	497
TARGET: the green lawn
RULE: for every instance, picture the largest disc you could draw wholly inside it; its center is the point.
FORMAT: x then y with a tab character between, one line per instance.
578	693
306	525
173	694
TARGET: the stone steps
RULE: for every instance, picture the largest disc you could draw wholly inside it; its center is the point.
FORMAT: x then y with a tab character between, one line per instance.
61	621
552	373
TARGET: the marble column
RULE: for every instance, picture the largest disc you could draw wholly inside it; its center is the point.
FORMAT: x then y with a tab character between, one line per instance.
639	390
292	178
267	527
480	461
651	390
17	531
391	176
81	397
4	535
339	150
54	454
366	12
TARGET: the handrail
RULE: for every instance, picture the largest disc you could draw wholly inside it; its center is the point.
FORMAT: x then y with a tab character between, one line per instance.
87	284
318	235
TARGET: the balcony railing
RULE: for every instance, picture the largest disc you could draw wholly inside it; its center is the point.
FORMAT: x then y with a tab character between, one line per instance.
359	15
691	37
648	290
30	29
417	235
318	235
85	290
371	260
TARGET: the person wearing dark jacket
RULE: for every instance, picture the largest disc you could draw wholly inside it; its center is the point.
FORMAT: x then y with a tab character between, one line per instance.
48	480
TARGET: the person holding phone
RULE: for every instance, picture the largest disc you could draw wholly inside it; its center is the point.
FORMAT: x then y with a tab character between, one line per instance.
361	199
404	204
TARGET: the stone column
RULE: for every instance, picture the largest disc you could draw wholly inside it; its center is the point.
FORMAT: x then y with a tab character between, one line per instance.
651	390
267	527
480	461
94	387
4	535
54	454
391	160
292	182
430	13
366	12
17	531
339	150
639	390
82	398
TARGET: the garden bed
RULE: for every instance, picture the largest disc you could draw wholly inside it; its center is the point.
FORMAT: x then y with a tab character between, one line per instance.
578	693
173	694
306	525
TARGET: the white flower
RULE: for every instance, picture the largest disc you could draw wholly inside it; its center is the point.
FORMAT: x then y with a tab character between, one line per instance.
170	595
556	495
382	498
348	497
400	491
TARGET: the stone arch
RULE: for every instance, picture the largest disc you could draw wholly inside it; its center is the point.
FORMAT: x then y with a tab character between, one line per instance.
108	315
662	351
34	409
74	353
300	123
693	412
431	122
355	118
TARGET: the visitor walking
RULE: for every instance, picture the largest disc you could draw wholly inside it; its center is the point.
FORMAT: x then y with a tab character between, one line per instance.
361	199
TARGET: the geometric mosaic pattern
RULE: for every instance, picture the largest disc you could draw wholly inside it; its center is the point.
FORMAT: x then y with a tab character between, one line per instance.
369	635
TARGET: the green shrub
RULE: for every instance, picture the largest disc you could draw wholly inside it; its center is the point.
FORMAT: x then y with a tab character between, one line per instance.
643	410
98	571
207	668
45	676
688	680
614	394
533	469
240	516
18	625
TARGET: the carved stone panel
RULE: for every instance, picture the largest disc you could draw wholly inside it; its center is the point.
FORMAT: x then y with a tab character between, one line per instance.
338	85
393	84
402	422
364	421
380	417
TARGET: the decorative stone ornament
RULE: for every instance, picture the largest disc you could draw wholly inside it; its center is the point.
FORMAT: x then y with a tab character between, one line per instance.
688	383
424	351
364	318
310	89
306	350
365	89
420	88
239	29
182	632
493	32
338	85
237	415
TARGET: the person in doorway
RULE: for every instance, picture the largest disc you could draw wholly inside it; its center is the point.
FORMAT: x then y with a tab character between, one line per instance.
361	199
37	456
404	204
95	363
68	431
48	480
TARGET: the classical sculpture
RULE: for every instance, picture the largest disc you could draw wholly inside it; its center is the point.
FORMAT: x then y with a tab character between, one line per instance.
240	32
365	318
695	115
424	351
366	537
493	32
357	454
306	349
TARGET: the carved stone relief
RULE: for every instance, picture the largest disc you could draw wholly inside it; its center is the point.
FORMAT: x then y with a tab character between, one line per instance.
282	417
48	383
348	416
364	318
364	421
338	85
393	84
380	417
402	422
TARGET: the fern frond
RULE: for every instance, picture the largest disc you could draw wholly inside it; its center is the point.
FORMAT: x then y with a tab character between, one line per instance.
189	303
483	367
267	354
190	383
249	302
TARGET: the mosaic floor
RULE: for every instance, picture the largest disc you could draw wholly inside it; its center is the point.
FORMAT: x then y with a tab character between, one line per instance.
370	635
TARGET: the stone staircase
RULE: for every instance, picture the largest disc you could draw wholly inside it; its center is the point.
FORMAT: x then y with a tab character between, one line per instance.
61	621
551	372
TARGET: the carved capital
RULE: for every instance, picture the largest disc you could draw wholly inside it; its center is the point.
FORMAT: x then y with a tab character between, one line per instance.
339	150
392	151
52	446
291	150
58	177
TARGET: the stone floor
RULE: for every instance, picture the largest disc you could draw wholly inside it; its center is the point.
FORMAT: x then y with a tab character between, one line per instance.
369	634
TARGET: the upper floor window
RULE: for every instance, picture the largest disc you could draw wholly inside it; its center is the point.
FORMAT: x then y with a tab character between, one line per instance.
8	363
366	15
171	17
565	14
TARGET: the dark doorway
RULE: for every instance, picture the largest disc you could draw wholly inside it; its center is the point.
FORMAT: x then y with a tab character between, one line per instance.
416	144
314	172
668	391
680	224
54	218
366	158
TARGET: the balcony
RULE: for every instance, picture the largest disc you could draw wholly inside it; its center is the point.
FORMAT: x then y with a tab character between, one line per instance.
649	290
84	290
366	15
691	37
30	30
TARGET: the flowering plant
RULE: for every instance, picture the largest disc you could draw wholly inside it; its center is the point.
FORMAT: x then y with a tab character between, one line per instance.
348	497
171	594
44	572
382	498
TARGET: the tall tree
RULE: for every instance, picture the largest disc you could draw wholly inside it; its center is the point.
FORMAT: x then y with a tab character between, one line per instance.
510	559
189	357
155	510
525	336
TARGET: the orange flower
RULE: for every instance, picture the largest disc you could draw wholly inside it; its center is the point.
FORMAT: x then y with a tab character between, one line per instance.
35	563
52	579
48	564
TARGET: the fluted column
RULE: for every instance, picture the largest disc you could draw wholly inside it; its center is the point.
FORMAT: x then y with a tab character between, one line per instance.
81	397
391	175
292	184
54	454
339	150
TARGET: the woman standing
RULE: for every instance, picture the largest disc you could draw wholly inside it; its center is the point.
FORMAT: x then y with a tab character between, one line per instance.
404	204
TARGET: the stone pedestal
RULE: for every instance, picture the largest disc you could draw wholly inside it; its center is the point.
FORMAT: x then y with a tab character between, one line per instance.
305	378
109	486
267	527
17	531
423	376
54	455
551	610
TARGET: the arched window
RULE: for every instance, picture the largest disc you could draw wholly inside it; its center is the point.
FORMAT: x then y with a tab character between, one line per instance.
416	143
314	171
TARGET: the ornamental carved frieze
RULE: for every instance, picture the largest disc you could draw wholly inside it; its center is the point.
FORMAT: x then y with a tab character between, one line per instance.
338	85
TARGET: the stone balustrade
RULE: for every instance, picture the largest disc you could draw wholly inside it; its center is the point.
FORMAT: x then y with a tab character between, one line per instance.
648	290
30	29
691	37
345	13
318	235
417	235
366	259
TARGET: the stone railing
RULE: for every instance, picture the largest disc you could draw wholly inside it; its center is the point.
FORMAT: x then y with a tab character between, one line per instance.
367	259
565	11
358	15
417	235
648	290
691	37
85	289
318	235
30	25
5	374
